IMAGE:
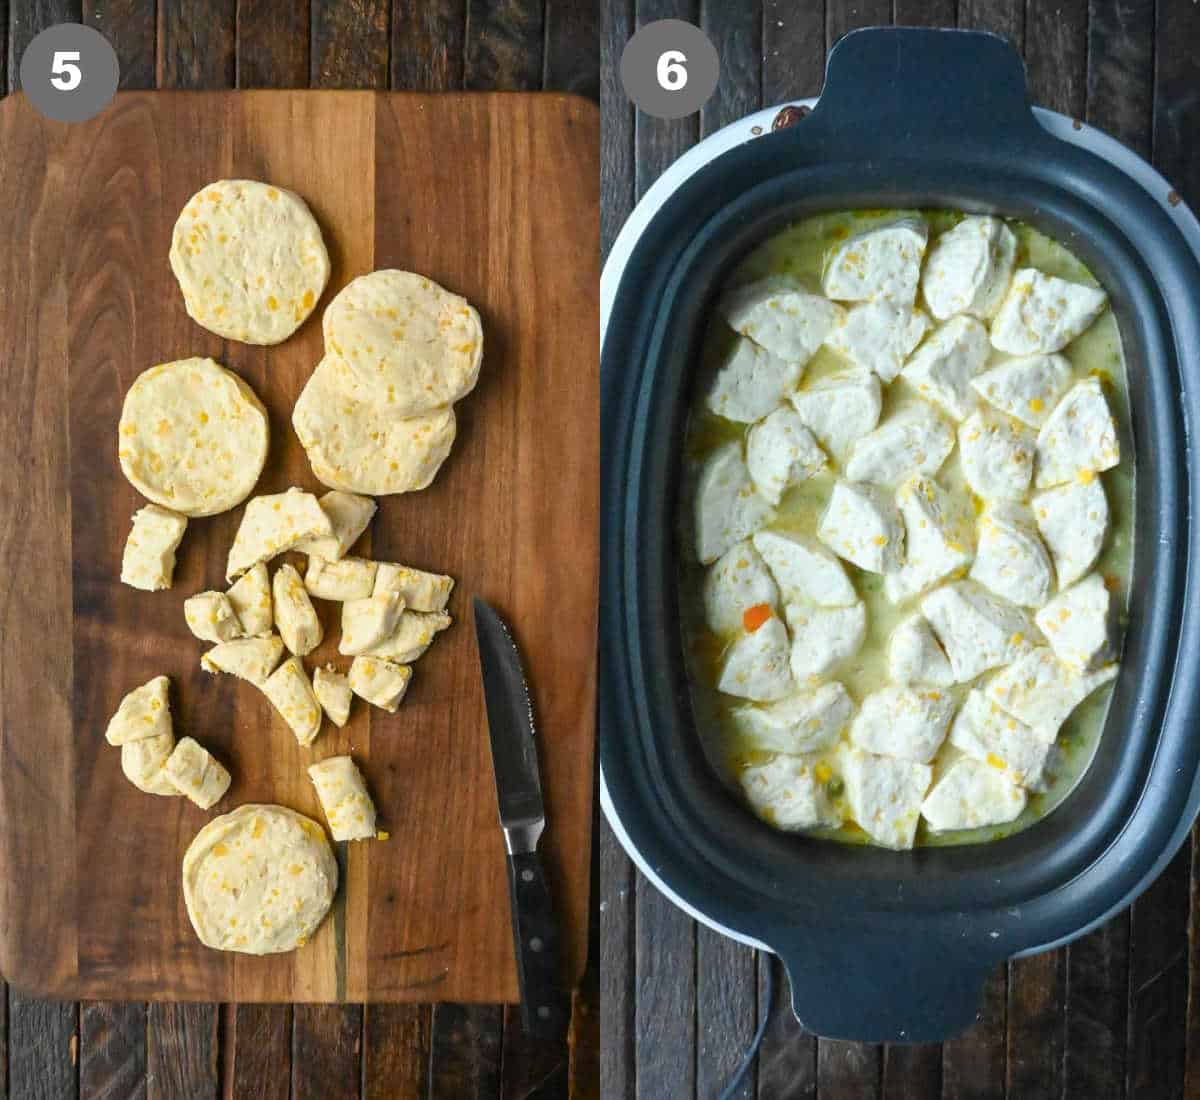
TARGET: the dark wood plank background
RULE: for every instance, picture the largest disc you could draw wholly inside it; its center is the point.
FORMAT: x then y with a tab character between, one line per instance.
58	1051
1115	1014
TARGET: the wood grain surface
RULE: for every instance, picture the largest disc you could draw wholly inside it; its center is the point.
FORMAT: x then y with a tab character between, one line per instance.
444	185
1117	1013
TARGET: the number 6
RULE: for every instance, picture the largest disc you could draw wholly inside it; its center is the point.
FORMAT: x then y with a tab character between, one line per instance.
671	74
67	77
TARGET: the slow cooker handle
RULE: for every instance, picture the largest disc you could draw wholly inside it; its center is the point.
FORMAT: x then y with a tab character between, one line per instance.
906	983
902	91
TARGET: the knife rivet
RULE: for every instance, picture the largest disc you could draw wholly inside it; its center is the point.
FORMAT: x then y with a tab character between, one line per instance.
543	1012
526	876
535	944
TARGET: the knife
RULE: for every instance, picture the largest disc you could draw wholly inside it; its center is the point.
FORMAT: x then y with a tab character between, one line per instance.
544	1004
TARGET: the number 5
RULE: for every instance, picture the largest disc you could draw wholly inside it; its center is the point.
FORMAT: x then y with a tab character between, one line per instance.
67	77
671	74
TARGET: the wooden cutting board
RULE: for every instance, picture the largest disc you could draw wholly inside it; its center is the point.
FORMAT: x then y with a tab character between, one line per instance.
495	197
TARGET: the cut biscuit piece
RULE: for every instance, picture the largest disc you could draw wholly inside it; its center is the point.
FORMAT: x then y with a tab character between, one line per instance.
1079	439
211	618
977	631
916	657
915	440
295	615
883	262
938	539
341	580
822	637
1042	691
808	721
885	795
1042	313
252	659
367	622
840	410
943	367
144	712
249	259
344	798
988	734
1073	520
969	268
332	690
780	317
1027	388
862	524
781	452
804	569
996	454
413	635
381	682
878	336
273	524
143	761
972	796
903	722
785	792
750	382
148	562
734	583
349	515
250	598
1080	624
195	773
1010	560
728	507
756	664
292	696
421	591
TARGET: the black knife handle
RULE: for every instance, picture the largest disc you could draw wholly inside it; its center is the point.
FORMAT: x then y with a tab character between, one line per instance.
545	1009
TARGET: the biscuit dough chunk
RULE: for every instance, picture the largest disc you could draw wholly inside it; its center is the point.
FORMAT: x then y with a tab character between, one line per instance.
211	618
1079	439
883	262
878	336
808	721
969	268
977	631
273	524
780	317
728	507
421	591
381	682
781	452
359	444
750	382
736	582
938	539
252	659
943	367
295	615
785	792
341	580
1043	313
292	696
414	345
369	621
756	664
996	455
1080	624
250	260
804	569
903	722
195	773
916	657
822	637
915	440
1027	388
344	799
1010	559
259	880
143	763
413	635
250	598
148	562
840	410
144	712
971	796
863	525
349	514
332	690
1073	520
885	795
193	437
1042	691
989	735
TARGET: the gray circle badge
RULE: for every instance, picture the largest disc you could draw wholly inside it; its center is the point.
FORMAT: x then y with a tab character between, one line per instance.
669	68
70	72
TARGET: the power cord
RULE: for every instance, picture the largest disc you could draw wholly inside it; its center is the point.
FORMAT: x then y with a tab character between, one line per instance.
747	1061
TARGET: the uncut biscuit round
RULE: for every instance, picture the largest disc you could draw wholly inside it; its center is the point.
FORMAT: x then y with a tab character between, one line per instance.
258	880
354	444
414	345
193	437
249	259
